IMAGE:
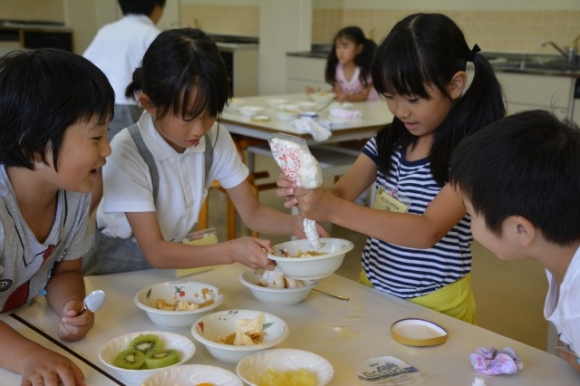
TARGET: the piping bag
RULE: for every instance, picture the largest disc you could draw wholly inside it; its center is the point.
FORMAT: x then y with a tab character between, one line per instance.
299	165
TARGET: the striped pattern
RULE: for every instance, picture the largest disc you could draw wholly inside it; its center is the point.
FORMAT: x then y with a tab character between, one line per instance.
410	272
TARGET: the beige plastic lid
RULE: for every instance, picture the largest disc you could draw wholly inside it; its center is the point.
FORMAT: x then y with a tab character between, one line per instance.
418	332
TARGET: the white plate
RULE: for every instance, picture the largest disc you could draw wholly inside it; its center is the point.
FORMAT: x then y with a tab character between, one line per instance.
252	368
192	375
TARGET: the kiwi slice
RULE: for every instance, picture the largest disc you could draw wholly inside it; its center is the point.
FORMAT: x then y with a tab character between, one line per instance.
130	359
163	358
146	343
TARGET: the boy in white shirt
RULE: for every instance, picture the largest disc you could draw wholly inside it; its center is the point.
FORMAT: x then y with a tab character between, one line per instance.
519	179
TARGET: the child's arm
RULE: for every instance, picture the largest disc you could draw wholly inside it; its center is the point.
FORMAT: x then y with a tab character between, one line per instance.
569	357
170	255
404	229
65	293
37	364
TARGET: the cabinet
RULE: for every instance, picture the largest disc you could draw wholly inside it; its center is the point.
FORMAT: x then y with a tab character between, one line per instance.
305	71
242	65
528	92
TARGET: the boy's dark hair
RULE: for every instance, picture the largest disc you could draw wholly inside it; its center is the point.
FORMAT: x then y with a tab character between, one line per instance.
527	165
140	7
362	60
425	49
177	62
42	93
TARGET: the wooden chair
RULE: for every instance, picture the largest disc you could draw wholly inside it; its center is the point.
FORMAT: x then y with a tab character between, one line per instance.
231	216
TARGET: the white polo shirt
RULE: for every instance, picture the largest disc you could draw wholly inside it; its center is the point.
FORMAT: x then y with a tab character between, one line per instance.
182	188
118	49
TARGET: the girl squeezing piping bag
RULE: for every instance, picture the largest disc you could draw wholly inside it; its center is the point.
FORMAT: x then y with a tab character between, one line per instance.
299	165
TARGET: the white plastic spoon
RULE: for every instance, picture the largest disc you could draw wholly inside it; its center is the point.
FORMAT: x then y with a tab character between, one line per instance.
94	301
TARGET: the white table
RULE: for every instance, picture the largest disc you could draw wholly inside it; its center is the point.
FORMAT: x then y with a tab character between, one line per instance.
375	115
345	333
92	376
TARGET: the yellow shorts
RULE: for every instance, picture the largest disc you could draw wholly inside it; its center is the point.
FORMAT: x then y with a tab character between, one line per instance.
455	299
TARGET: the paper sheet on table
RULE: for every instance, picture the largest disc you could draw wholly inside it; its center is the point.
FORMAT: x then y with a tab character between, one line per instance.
204	237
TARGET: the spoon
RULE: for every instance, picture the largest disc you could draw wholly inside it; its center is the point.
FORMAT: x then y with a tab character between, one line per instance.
340	297
94	301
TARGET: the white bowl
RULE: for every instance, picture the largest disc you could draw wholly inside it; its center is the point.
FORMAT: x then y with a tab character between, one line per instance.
276	296
234	104
171	291
113	347
310	267
220	324
322	96
307	106
193	375
287	115
275	102
250	111
252	368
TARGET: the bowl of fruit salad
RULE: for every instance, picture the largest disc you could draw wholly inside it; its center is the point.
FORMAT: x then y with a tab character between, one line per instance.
285	367
195	375
179	303
135	356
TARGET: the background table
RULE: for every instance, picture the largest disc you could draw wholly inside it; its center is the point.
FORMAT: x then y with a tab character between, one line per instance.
375	115
345	333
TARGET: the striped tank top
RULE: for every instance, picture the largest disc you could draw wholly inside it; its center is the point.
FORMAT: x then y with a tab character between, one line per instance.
411	272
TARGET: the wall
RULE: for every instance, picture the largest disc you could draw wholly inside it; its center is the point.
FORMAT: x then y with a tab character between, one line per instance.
46	10
241	17
496	25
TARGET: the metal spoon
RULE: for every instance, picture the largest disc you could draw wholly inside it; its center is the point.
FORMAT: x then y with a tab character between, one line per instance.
94	301
340	297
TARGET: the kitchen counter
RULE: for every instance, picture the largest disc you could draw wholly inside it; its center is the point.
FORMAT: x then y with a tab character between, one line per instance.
524	63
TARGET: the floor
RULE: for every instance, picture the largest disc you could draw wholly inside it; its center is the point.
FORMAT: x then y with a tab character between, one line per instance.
509	295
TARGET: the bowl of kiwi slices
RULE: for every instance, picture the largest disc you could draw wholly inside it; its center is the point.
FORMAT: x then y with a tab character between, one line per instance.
135	356
178	303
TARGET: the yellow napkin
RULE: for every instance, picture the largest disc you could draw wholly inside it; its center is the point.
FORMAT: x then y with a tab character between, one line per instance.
206	237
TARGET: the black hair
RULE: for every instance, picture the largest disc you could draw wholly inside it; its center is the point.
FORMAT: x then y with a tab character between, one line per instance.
524	165
363	60
177	62
42	93
429	49
140	7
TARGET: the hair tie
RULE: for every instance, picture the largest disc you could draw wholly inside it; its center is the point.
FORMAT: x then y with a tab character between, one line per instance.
471	55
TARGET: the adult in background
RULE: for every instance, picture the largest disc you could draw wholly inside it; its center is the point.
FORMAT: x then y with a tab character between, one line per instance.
117	50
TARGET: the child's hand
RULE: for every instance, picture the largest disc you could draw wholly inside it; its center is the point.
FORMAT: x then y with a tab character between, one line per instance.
253	252
299	228
46	367
74	325
286	190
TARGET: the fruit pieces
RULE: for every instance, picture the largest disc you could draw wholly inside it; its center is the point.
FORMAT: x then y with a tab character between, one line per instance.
146	352
163	358
300	377
146	343
130	359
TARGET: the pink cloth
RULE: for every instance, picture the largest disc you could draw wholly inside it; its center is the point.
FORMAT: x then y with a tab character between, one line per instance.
490	361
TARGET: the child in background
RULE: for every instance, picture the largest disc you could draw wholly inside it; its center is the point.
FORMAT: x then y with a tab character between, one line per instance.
117	49
419	241
520	185
348	66
159	174
55	107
